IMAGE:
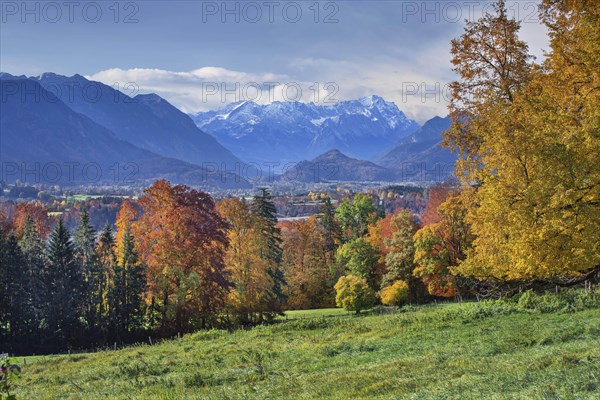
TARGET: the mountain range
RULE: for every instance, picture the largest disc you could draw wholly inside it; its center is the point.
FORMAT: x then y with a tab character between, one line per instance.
56	119
417	157
53	120
294	131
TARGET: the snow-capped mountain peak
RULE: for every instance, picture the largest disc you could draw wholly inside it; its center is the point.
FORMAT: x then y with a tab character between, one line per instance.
294	131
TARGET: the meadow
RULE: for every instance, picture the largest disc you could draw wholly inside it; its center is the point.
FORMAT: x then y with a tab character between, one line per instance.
532	347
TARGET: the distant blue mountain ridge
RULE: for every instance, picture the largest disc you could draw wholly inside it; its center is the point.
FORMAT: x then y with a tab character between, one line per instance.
54	118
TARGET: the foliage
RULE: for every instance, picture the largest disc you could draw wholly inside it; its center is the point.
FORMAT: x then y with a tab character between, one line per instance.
529	139
355	216
358	257
394	294
400	258
9	373
182	239
353	293
306	264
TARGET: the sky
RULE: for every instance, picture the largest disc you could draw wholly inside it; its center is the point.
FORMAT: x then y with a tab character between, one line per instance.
202	55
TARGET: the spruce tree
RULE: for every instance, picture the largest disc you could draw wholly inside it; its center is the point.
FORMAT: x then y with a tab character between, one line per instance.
270	236
329	224
130	287
34	260
12	304
85	237
85	250
107	293
65	286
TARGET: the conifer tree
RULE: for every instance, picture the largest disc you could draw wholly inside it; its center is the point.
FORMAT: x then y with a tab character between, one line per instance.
129	287
329	224
32	248
270	241
12	290
85	251
107	261
64	285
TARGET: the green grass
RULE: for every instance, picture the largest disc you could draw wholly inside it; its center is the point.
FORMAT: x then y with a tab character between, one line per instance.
323	312
488	350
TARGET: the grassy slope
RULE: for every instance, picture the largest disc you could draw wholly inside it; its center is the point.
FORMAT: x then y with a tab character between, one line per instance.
455	351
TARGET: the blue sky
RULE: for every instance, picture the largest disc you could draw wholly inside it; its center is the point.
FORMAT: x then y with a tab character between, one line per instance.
201	55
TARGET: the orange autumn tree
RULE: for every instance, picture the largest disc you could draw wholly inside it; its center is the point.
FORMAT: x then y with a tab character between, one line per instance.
437	195
379	233
38	213
125	217
182	239
306	264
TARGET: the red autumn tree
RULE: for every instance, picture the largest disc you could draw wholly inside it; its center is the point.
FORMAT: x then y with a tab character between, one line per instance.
182	239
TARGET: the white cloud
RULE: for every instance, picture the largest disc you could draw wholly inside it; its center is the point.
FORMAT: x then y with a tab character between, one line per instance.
210	88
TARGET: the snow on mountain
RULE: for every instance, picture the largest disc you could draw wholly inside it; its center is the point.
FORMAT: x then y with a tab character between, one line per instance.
292	131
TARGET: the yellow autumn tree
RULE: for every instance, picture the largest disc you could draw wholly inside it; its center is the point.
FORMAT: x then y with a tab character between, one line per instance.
353	294
529	140
394	294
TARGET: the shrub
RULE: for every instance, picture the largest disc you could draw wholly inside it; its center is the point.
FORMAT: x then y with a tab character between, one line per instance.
394	294
566	301
8	374
353	293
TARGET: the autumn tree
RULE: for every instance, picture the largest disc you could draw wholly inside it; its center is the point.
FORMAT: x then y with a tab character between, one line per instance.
306	264
182	239
355	216
37	212
394	294
358	257
353	294
441	246
533	136
378	236
493	65
127	214
400	258
437	195
245	265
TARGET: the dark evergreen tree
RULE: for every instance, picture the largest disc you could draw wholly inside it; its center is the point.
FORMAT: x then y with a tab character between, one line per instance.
34	260
85	237
107	291
330	226
265	213
129	288
13	305
65	284
85	249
